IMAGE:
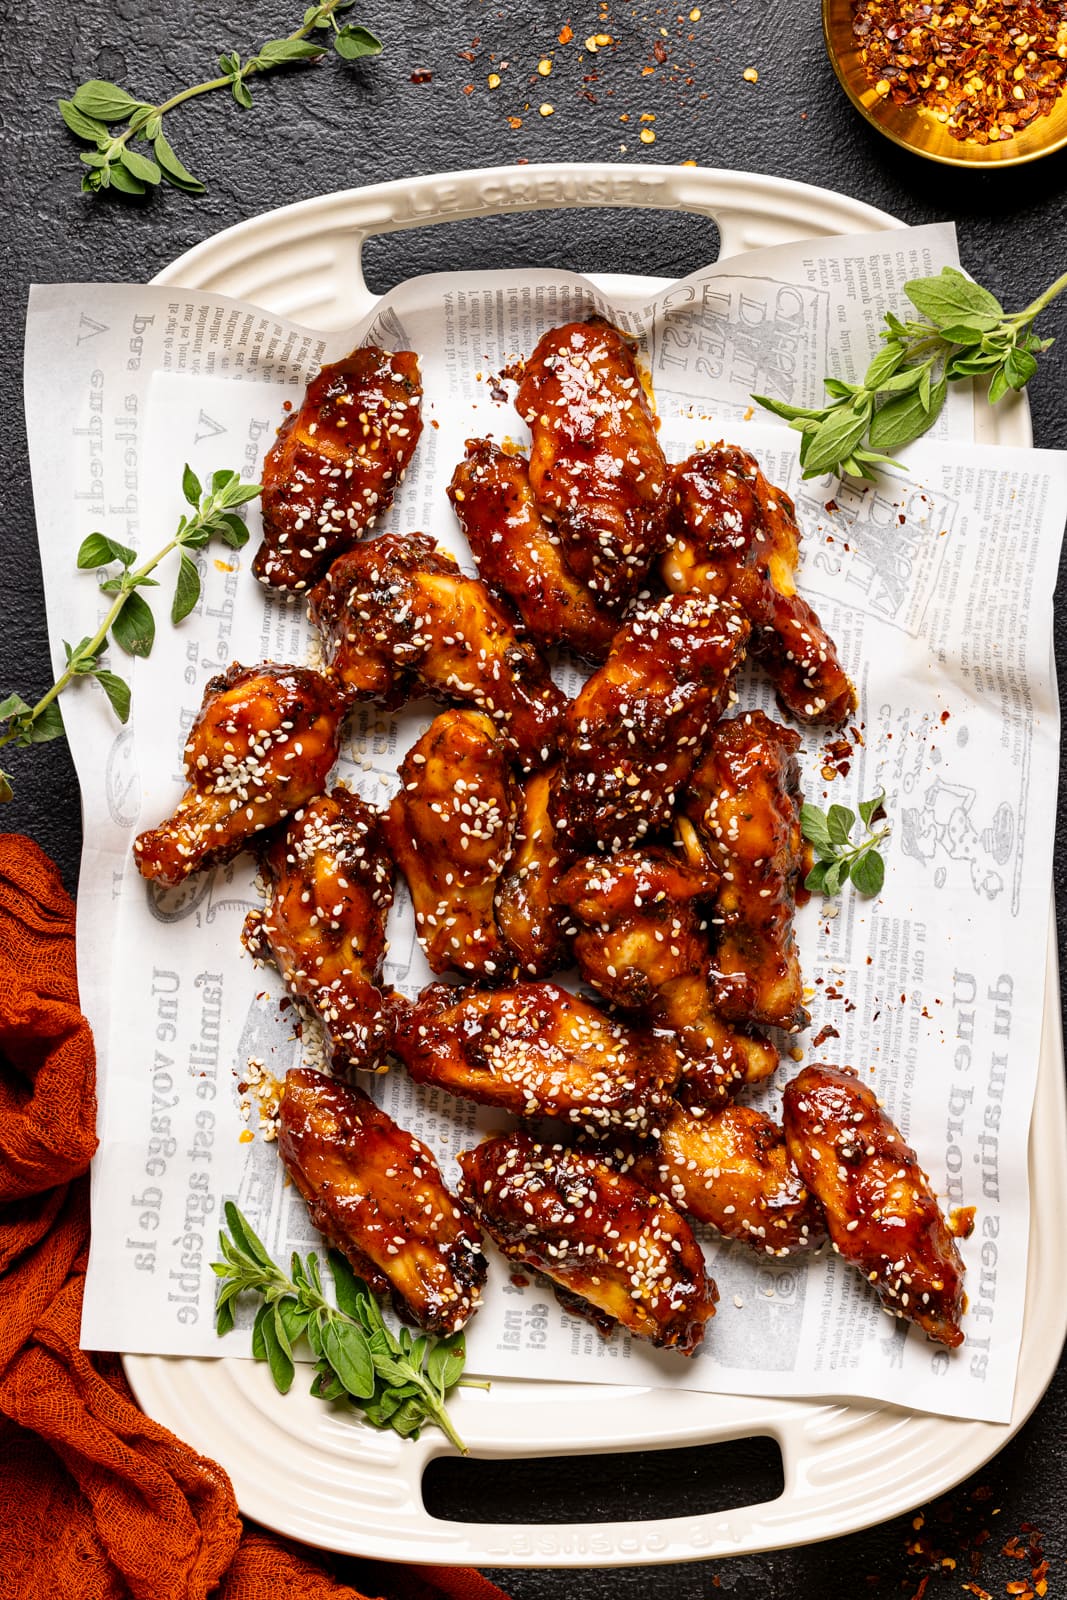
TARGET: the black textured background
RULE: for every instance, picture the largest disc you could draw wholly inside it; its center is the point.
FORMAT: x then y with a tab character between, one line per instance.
330	126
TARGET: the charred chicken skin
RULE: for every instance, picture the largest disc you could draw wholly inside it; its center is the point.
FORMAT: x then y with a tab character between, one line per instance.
736	536
640	939
399	619
616	1253
377	1195
526	908
638	726
261	747
537	1050
331	886
597	472
744	800
520	556
880	1211
730	1168
449	829
336	463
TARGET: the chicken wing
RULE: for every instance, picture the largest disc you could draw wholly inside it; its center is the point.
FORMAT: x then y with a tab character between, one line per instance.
521	556
398	618
731	1168
261	747
616	1254
597	472
880	1211
536	1050
744	799
526	908
336	463
331	882
638	726
449	829
377	1195
640	939
736	536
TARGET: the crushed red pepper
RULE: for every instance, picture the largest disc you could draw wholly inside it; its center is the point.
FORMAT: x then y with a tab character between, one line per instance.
984	68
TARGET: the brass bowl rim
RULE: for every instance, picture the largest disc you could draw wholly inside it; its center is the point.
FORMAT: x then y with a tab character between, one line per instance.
974	163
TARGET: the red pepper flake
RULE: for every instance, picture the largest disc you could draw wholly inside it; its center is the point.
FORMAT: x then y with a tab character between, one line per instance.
421	75
566	33
514	122
468	88
983	68
659	50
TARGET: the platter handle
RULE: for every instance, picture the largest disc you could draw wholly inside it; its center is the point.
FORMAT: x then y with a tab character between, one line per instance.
320	242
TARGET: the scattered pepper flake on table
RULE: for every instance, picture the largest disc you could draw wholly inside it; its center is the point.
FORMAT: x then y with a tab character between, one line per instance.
983	68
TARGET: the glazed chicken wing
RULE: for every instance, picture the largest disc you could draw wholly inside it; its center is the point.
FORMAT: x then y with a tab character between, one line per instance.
521	556
262	746
377	1195
597	472
731	1168
336	463
744	799
616	1253
398	619
536	1050
449	829
735	535
638	726
640	939
880	1211
331	883
526	908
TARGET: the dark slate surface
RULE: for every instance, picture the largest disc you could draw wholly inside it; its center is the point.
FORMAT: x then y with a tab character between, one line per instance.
332	126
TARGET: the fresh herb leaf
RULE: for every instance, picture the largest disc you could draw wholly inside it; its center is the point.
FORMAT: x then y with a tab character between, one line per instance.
97	105
399	1382
966	334
187	590
117	691
129	621
840	858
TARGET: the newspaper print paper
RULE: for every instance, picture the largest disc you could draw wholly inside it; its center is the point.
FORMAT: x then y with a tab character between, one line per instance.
937	586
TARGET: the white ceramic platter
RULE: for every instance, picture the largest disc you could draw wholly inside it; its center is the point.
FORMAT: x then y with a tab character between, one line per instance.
320	1475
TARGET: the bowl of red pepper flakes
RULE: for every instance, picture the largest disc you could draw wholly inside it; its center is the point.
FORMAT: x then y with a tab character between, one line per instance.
967	82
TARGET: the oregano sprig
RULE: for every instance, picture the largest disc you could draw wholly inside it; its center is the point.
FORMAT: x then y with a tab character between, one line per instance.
966	333
129	620
96	107
397	1381
840	859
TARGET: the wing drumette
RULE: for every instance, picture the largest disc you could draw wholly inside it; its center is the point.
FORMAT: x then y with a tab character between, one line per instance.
731	1168
262	745
449	829
880	1211
331	888
638	726
521	556
597	472
398	618
336	463
377	1195
616	1253
639	938
537	1050
744	799
735	535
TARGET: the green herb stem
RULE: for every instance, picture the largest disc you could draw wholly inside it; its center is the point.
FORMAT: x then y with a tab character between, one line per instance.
129	620
398	1381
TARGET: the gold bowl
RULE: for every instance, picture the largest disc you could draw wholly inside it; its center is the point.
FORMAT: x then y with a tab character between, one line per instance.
916	128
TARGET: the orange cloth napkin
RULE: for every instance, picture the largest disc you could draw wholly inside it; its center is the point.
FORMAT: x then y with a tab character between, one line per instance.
96	1501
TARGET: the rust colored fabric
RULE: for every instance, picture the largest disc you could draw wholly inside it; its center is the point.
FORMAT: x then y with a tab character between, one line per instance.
97	1502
